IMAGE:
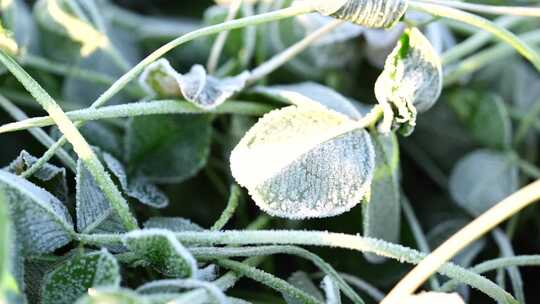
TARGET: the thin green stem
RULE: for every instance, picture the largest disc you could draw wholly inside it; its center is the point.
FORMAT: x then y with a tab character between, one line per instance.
473	231
495	264
529	11
219	43
320	238
81	147
291	52
38	133
364	286
418	233
506	250
483	58
216	253
476	41
438	10
232	203
269	280
139	109
292	11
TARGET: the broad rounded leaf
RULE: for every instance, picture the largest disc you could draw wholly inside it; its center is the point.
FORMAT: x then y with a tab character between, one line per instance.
42	221
411	81
482	179
163	251
304	162
382	213
73	278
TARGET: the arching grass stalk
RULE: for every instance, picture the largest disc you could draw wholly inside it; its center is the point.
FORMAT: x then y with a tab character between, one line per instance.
484	223
219	43
320	238
81	147
529	11
39	134
232	203
483	58
140	109
482	23
525	260
292	11
476	41
216	253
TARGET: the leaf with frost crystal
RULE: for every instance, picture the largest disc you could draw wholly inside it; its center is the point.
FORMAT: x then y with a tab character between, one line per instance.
305	162
411	82
48	177
369	13
382	213
138	187
197	87
434	297
94	213
41	220
311	94
73	278
482	179
162	251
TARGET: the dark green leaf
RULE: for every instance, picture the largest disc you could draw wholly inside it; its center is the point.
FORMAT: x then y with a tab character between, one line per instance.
75	277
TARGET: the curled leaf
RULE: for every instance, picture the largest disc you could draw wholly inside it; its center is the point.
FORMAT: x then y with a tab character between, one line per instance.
163	251
305	162
369	13
411	81
197	87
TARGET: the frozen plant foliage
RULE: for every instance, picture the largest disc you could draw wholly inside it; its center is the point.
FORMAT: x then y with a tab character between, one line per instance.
303	162
411	82
197	87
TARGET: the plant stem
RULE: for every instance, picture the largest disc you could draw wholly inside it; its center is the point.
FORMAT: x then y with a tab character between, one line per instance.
283	57
210	30
486	57
39	134
530	169
269	280
529	11
319	238
482	23
215	253
232	204
81	147
418	234
370	290
139	109
476	41
524	260
474	230
219	43
527	122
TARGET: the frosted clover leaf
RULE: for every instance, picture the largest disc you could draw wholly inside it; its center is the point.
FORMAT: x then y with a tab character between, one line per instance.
197	87
411	82
305	162
369	13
